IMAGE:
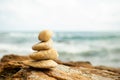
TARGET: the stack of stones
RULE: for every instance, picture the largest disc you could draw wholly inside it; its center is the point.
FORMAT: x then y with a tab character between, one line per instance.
45	53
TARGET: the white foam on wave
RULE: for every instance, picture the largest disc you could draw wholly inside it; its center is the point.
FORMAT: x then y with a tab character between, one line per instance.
21	34
71	48
85	46
14	49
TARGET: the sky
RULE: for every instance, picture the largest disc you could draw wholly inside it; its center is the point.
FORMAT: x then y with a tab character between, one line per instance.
60	15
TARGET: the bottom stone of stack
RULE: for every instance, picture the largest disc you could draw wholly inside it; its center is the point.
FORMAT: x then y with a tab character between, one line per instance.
41	64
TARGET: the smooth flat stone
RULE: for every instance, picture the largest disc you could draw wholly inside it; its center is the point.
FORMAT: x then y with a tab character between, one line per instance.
41	64
44	54
45	35
43	45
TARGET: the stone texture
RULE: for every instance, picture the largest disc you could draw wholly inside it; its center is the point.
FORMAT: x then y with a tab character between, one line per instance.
13	57
41	64
44	54
45	35
43	45
15	70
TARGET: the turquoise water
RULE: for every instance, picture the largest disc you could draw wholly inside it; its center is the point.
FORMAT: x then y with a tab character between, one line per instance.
100	48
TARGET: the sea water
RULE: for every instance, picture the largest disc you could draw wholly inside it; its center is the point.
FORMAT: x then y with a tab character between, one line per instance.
100	48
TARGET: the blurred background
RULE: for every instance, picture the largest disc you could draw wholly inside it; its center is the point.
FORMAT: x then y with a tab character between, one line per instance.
85	30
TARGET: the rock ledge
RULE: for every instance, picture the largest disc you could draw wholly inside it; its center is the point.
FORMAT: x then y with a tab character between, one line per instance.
12	68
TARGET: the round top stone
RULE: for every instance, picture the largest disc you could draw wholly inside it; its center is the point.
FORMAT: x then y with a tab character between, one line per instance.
45	35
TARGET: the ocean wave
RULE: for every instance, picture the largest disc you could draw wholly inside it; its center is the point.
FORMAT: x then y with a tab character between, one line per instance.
86	36
12	48
71	46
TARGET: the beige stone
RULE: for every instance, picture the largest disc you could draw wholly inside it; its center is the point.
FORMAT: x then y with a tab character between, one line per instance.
60	72
41	64
43	45
44	54
45	35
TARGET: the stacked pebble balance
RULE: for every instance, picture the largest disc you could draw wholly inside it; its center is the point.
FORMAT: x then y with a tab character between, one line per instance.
45	53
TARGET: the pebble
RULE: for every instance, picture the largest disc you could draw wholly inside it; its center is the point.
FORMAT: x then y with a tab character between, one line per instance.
46	64
45	35
43	45
44	55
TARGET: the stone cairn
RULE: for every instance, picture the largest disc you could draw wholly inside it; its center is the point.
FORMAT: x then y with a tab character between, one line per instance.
45	53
